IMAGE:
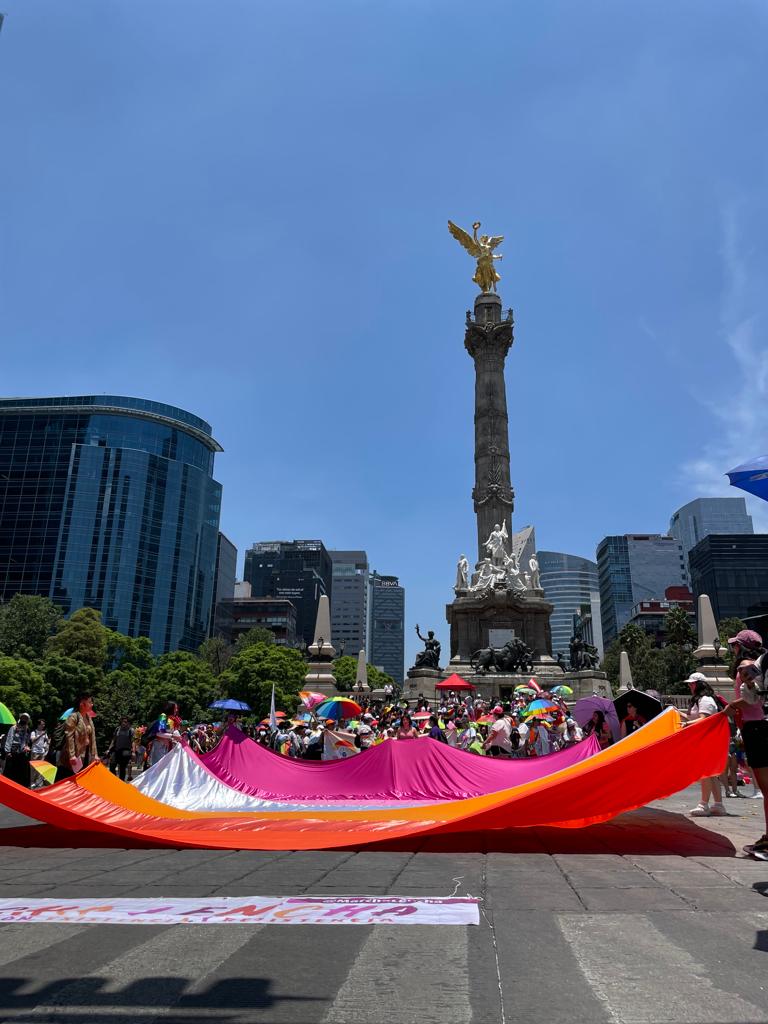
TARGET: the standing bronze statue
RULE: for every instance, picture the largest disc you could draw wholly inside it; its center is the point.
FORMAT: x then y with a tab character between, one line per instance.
430	656
482	250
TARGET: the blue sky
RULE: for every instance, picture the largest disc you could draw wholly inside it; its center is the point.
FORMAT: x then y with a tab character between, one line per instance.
240	208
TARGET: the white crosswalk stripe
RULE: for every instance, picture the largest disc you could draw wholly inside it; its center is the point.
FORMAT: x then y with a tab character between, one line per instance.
377	981
17	942
642	977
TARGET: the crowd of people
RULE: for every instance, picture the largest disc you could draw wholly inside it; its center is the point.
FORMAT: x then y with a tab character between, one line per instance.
471	724
505	729
71	745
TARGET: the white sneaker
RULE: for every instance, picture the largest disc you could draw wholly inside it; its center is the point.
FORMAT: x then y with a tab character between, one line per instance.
718	811
700	811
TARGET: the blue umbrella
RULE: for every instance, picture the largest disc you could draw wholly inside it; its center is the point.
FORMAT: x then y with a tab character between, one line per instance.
230	705
752	476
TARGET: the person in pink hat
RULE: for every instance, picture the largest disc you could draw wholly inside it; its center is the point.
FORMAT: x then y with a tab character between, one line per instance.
747	708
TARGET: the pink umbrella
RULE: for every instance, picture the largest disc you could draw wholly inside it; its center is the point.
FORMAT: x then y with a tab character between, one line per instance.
583	710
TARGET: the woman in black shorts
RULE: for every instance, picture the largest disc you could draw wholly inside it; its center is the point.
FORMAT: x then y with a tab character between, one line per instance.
747	706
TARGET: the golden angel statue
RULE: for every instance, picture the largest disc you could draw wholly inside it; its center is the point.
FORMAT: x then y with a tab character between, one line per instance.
482	250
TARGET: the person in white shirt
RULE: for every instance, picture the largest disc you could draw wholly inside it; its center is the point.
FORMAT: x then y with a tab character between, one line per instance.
701	705
499	743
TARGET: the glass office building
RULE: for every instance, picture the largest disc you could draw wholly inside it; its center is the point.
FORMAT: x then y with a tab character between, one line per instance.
732	569
349	607
299	570
109	502
703	516
569	582
386	627
632	568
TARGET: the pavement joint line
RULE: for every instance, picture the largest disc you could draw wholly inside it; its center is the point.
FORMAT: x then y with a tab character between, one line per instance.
569	883
402	869
488	917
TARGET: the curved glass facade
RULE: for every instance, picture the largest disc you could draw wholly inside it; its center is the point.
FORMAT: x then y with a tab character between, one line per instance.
569	582
109	502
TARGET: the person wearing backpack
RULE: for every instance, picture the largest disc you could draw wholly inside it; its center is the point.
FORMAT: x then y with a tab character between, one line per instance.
79	749
17	748
121	749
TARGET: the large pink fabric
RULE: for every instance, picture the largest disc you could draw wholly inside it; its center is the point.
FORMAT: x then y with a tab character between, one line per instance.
420	769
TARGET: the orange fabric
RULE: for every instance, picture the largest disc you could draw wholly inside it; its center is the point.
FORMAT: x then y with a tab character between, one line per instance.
651	763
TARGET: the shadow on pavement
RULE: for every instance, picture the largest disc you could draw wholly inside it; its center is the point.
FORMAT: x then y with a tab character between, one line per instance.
649	831
148	995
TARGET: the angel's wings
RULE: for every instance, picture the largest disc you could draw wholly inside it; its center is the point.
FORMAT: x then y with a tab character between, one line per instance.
466	240
495	240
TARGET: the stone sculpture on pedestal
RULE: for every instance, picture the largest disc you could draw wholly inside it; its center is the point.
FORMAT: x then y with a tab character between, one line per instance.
496	544
430	656
462	573
533	565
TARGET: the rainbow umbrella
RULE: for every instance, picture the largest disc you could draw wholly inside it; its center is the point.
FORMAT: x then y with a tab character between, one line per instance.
338	708
524	691
563	691
45	770
539	707
6	718
65	714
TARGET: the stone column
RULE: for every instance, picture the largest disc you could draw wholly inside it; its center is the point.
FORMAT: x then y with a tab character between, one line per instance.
361	677
488	338
625	672
321	653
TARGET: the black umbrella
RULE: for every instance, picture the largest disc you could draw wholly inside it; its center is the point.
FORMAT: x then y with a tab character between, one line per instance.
647	706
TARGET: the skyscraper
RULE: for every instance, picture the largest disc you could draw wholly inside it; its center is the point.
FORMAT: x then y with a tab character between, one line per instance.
703	516
297	569
386	630
569	582
631	568
349	607
109	502
732	569
225	575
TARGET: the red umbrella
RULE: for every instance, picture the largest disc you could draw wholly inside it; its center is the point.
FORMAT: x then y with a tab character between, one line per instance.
454	682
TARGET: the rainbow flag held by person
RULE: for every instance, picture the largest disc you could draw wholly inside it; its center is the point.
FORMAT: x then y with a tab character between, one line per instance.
337	744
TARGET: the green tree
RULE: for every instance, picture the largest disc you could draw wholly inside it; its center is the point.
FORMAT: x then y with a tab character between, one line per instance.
645	660
129	651
216	653
345	671
26	623
185	679
253	636
727	628
677	664
23	688
69	677
121	693
82	637
678	630
251	672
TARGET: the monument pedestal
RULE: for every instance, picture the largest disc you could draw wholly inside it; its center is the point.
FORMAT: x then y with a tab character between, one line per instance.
492	686
473	615
421	680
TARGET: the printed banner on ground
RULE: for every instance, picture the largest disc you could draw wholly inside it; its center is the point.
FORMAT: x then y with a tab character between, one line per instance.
246	910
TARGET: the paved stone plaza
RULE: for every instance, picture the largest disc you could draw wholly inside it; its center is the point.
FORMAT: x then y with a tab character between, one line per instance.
650	918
